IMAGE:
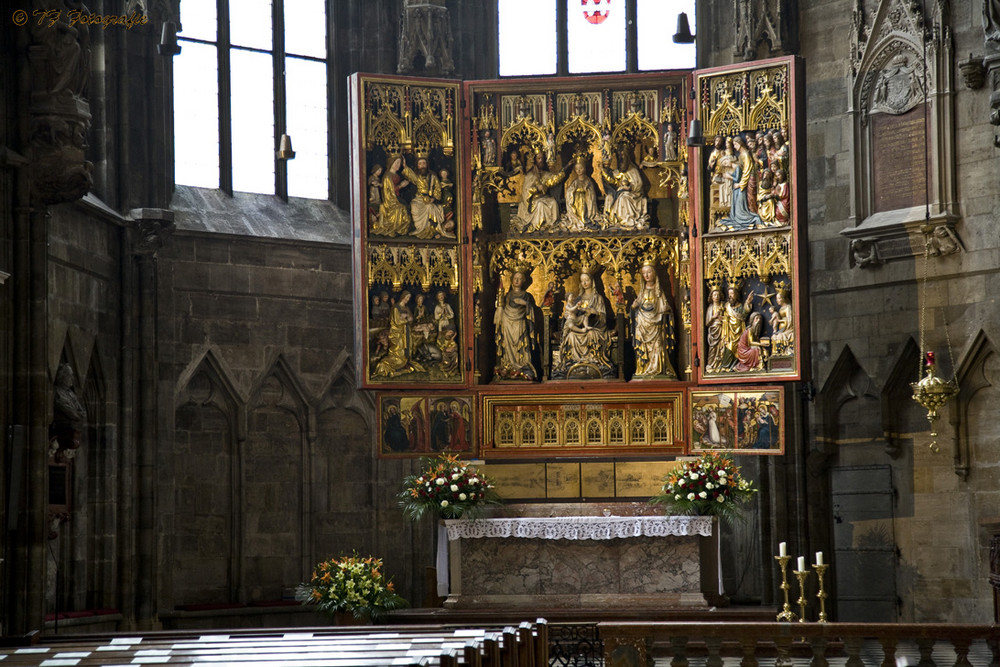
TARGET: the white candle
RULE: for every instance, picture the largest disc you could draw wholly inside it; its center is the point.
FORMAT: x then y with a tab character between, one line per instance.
819	557
802	563
783	549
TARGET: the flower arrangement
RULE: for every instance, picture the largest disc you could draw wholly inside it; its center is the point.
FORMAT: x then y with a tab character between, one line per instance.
710	485
448	487
351	584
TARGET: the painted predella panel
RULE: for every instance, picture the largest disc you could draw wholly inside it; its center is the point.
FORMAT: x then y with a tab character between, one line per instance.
408	224
425	424
749	325
579	212
744	421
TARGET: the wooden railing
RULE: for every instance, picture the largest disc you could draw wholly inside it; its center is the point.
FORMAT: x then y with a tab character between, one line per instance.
815	644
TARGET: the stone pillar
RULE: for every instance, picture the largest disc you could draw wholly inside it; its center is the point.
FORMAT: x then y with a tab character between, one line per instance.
59	66
150	229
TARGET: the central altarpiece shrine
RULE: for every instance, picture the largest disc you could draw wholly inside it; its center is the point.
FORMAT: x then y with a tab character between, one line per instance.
559	276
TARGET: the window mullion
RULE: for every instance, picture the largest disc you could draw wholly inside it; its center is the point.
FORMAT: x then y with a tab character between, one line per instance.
631	38
280	118
562	38
225	100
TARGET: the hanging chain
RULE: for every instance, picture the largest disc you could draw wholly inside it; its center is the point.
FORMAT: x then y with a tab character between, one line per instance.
923	306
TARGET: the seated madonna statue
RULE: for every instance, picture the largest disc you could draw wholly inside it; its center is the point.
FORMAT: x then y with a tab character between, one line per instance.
585	346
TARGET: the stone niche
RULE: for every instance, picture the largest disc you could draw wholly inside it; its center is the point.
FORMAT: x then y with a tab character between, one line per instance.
904	145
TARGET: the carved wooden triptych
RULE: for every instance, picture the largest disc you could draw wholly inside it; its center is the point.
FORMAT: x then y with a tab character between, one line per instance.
563	267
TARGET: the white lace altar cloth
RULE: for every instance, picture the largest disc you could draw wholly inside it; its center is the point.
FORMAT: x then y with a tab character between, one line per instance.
581	527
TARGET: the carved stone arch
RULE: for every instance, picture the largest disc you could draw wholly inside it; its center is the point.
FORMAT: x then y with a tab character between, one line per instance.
896	394
94	380
208	431
972	376
903	48
279	386
340	390
764	28
276	484
846	382
103	463
346	437
72	347
208	381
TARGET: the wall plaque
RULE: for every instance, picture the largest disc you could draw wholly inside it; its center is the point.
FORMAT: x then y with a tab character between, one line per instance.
899	151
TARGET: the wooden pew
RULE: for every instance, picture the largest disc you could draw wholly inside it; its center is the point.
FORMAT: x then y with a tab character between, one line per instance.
525	646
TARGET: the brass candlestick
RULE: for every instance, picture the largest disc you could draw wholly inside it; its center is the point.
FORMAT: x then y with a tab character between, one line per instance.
801	576
821	596
786	611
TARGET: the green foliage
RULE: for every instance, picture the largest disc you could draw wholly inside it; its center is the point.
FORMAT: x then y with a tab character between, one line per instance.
351	584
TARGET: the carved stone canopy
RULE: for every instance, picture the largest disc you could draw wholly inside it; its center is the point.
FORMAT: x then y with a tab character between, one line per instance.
762	23
425	41
59	58
901	72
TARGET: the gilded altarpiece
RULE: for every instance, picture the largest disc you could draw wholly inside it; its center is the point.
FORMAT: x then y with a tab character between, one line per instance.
581	267
550	250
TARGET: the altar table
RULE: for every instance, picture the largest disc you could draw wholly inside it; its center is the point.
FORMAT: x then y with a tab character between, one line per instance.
593	562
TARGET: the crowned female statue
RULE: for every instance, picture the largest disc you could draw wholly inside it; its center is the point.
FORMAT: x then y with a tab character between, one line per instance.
514	323
652	327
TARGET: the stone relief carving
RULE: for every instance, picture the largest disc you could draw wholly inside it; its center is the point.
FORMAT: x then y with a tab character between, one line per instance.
991	63
943	241
991	23
899	86
152	226
425	32
69	416
864	253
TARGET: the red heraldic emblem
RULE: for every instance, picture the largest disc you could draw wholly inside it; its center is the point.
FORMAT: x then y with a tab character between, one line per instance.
597	16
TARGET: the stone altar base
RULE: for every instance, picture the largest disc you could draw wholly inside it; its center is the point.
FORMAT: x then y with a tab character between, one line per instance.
633	573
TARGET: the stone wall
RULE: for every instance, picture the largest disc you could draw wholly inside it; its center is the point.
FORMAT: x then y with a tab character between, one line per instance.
85	309
864	331
268	453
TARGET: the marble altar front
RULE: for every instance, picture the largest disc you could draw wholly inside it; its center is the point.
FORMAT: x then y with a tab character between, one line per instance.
641	562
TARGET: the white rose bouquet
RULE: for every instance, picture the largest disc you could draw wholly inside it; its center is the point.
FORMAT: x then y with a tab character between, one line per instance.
448	487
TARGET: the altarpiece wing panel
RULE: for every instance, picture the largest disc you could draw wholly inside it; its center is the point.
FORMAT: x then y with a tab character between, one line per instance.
407	208
750	186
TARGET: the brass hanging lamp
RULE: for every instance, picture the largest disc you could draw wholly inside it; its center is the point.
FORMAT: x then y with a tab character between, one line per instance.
931	391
